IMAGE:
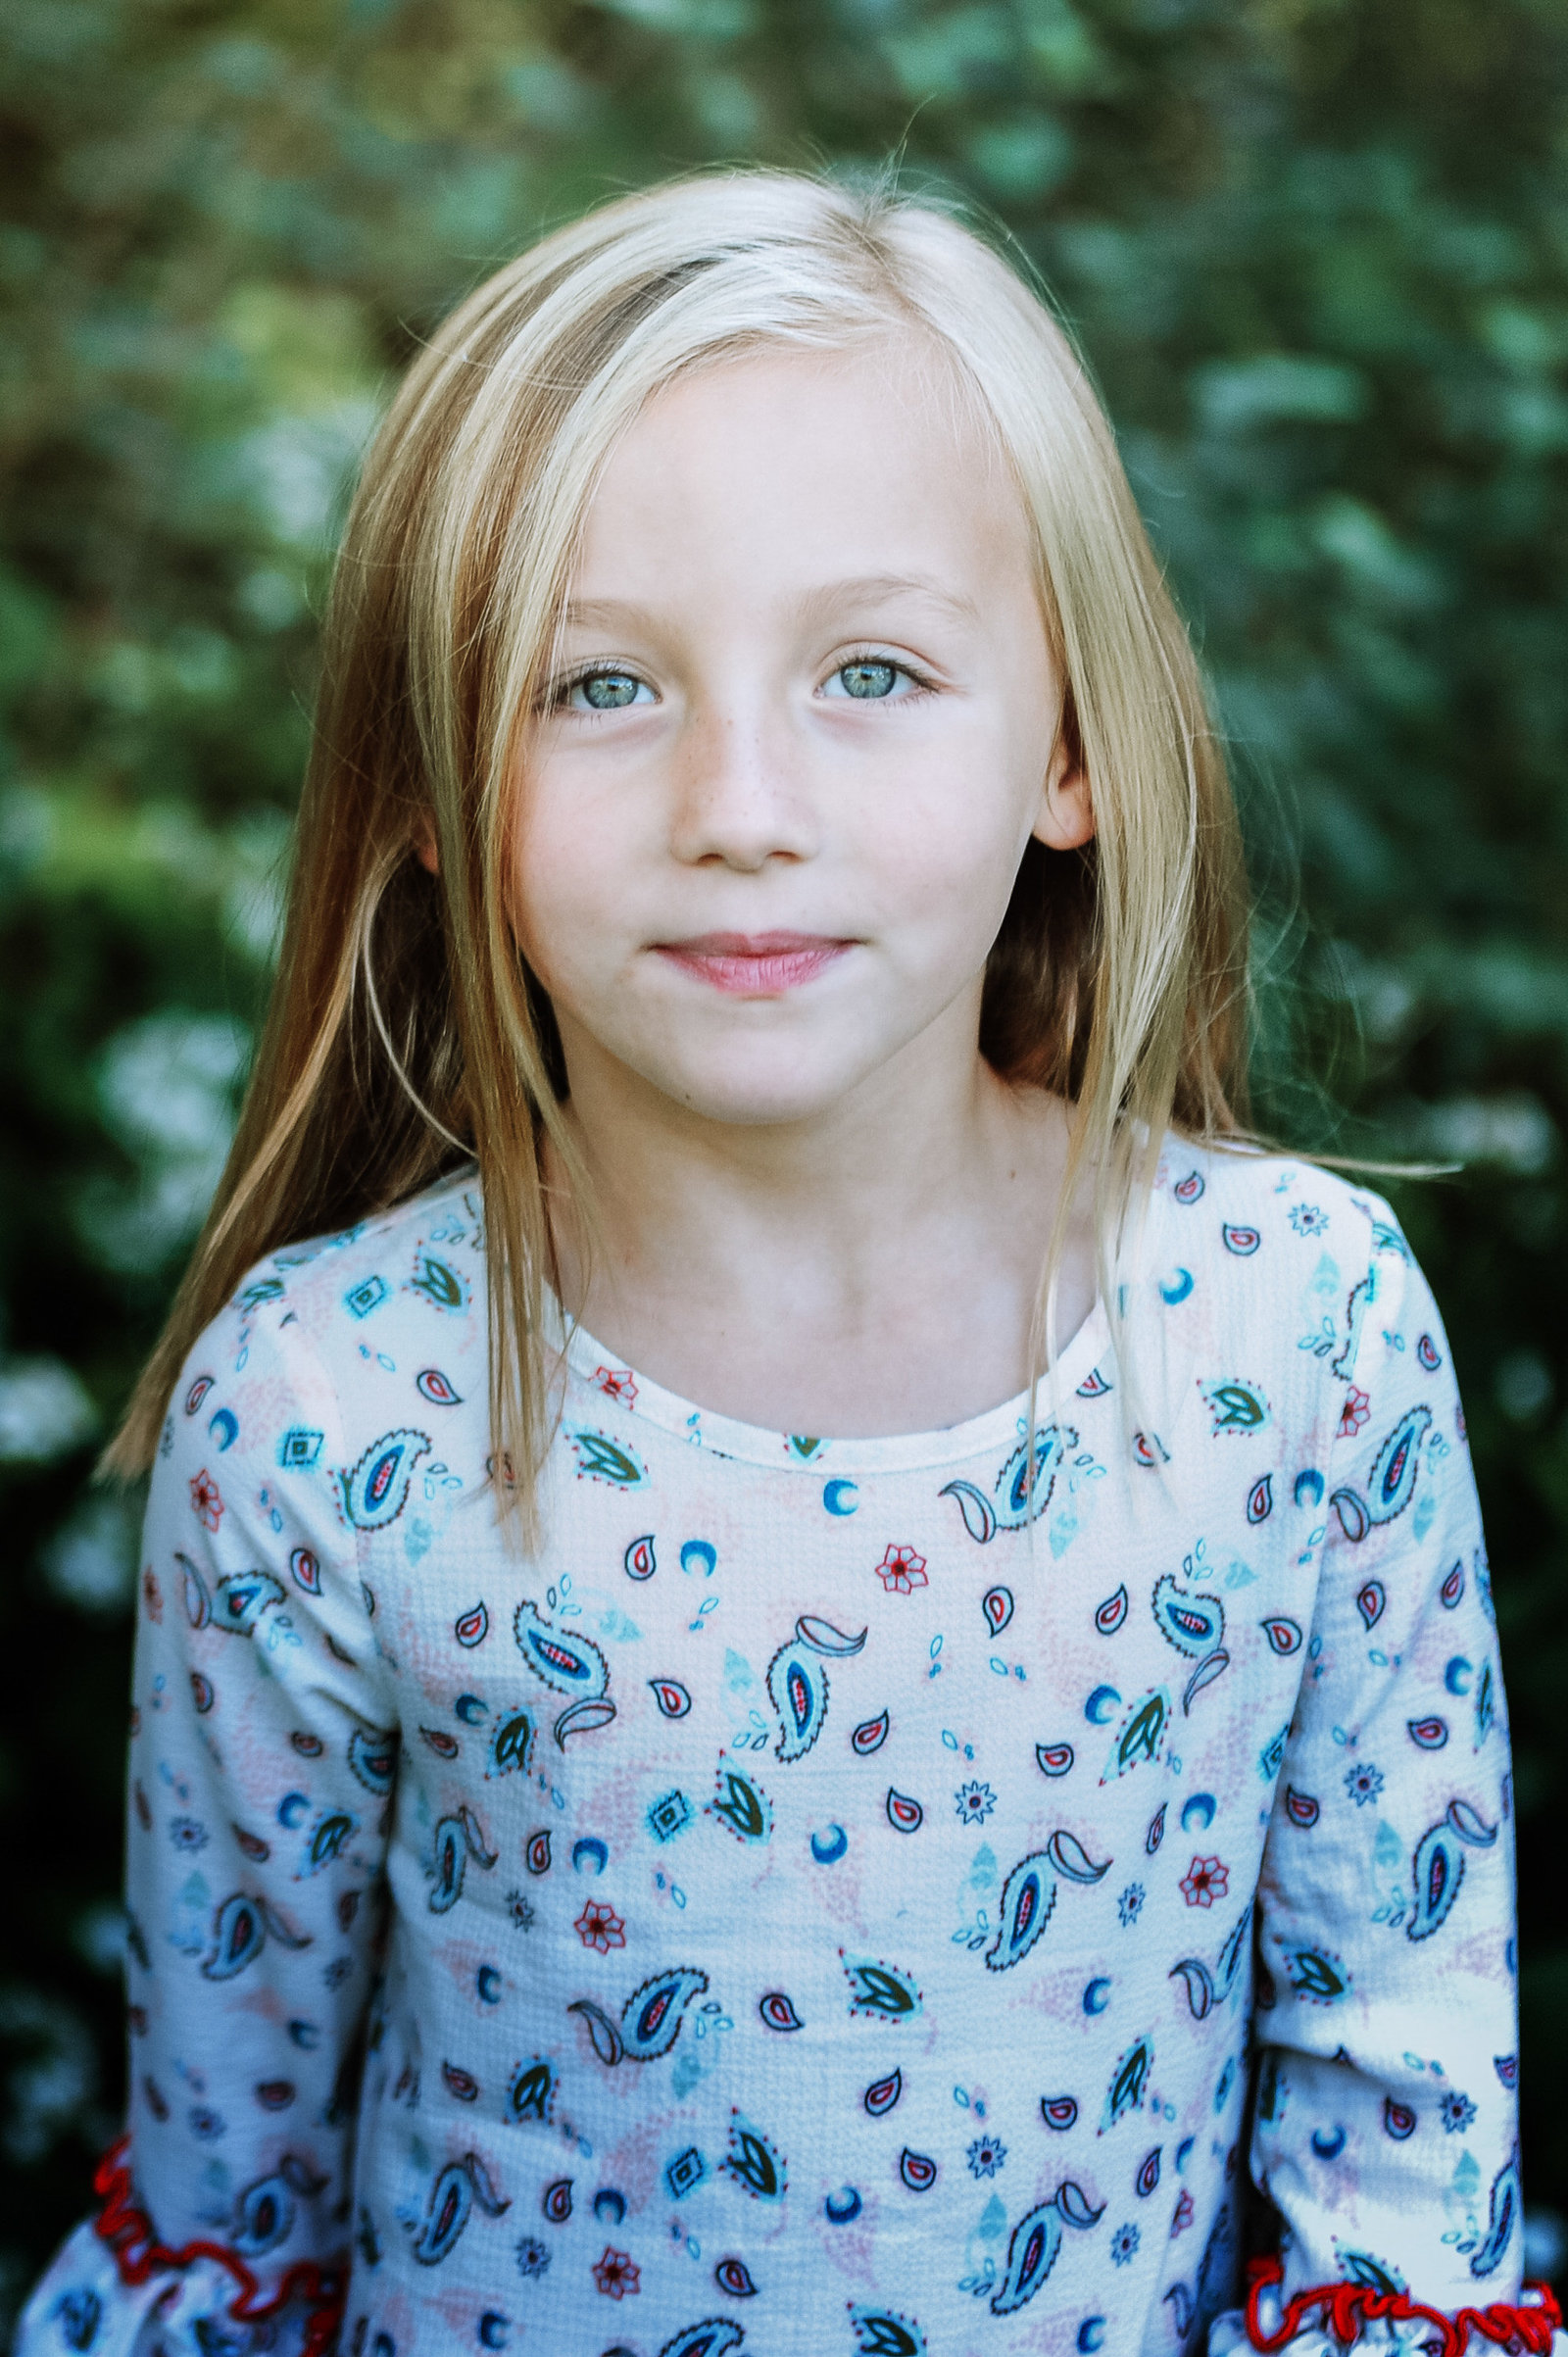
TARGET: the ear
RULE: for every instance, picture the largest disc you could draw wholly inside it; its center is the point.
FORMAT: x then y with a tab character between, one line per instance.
424	849
1066	815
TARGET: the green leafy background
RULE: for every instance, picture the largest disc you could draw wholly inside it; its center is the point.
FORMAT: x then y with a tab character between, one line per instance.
1317	253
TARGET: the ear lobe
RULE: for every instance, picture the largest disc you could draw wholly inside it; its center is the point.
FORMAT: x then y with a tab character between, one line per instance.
424	849
1066	820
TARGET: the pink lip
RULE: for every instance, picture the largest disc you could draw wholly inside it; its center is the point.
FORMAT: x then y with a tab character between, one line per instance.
754	965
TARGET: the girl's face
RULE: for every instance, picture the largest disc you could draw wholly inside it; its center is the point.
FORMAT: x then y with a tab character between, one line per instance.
804	722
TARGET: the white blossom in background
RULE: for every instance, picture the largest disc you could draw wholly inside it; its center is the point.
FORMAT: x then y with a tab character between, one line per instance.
165	1089
44	1411
91	1561
54	2078
1512	1131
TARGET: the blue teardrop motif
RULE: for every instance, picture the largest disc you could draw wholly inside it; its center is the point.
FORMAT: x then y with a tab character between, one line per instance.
652	2016
797	1685
375	1492
1503	2211
451	1865
1396	1466
1027	1898
1193	1624
373	1757
1438	1868
446	2214
1031	2256
1020	1499
567	1665
241	1599
264	2216
239	1935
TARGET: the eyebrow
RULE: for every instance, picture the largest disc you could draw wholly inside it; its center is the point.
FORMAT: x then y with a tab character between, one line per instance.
822	602
869	588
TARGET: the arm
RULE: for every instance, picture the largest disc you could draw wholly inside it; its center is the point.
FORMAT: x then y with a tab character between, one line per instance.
1385	2130
262	1764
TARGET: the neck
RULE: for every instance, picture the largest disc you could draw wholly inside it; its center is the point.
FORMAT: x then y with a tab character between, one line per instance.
871	1267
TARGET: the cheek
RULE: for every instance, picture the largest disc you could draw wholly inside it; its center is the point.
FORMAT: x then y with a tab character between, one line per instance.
563	888
948	839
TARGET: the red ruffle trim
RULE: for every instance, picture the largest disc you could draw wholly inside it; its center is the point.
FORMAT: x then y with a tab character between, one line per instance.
1349	2306
127	2230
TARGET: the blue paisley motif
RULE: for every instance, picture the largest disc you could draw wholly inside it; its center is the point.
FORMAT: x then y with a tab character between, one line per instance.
376	1489
1193	1624
797	1685
652	2016
1503	2211
453	2195
1027	1898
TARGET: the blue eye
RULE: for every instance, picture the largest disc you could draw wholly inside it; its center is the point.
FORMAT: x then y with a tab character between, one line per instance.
868	678
605	691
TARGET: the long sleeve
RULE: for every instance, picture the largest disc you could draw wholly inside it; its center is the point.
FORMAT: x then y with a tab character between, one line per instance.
1385	2129
675	2012
262	1765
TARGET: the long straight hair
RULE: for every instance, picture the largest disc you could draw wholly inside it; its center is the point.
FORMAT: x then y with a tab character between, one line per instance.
406	1033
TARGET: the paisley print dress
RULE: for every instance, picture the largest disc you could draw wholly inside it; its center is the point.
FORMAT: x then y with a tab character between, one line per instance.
881	1897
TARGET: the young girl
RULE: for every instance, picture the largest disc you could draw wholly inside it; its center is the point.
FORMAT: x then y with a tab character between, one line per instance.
858	1809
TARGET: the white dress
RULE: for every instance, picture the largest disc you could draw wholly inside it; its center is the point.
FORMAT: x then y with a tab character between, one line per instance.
874	1896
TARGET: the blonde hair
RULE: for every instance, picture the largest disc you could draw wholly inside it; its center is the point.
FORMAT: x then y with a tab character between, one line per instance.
405	1030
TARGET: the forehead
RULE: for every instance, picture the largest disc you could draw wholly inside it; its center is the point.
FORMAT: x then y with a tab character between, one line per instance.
880	458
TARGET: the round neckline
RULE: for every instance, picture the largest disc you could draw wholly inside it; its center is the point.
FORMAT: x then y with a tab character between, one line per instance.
642	1400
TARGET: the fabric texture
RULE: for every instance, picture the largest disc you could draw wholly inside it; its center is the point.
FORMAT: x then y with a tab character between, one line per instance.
865	1896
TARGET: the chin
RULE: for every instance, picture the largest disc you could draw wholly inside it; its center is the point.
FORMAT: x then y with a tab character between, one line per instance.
759	1108
756	1098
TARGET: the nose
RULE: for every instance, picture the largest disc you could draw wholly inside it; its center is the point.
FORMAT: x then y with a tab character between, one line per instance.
742	793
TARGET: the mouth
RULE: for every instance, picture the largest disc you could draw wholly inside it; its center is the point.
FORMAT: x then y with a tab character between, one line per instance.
754	965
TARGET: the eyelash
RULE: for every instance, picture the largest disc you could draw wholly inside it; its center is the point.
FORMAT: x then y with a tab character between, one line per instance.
920	682
555	695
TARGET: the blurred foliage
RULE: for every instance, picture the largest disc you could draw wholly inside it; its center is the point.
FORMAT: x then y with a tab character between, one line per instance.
1317	253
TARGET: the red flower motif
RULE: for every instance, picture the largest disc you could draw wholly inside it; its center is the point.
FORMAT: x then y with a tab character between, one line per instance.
1184	2215
1204	1880
1354	1413
616	1383
901	1571
205	1497
616	2274
600	1926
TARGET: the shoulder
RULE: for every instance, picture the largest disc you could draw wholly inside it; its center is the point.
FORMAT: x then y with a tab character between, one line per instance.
412	1271
1265	1267
328	1345
1270	1219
